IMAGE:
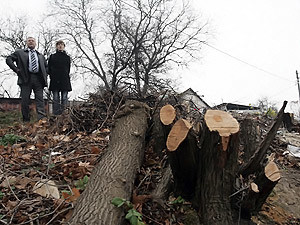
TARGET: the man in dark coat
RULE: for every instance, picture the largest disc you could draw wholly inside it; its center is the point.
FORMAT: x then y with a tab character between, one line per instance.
59	71
31	69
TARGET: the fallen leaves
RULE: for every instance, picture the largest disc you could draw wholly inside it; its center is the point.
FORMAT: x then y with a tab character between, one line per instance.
71	196
46	188
39	176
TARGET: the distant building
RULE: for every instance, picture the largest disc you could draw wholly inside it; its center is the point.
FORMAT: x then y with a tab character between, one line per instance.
237	108
193	101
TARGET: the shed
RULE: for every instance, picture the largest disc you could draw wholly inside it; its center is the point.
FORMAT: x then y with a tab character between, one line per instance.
190	98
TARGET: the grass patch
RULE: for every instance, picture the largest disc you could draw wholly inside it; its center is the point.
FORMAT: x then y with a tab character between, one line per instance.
9	118
10	139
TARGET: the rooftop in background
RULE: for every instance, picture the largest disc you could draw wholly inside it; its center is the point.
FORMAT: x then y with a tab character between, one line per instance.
231	106
191	95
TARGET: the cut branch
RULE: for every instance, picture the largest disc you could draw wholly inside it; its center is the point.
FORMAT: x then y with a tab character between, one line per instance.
178	134
256	160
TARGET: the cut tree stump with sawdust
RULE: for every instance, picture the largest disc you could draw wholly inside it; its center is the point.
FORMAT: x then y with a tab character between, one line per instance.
115	174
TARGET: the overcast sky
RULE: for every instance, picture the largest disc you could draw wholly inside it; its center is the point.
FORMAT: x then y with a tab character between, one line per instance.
253	53
265	36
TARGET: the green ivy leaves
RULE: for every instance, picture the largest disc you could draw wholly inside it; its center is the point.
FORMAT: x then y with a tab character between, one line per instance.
133	216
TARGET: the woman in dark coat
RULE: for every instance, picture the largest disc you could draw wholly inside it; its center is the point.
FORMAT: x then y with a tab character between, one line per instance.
59	70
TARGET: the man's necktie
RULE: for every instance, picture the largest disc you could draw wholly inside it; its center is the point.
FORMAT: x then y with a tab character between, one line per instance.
33	61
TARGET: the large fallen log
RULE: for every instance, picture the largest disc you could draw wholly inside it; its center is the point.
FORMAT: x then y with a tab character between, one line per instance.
115	174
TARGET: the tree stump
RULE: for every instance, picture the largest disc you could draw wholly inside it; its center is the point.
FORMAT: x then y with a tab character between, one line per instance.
182	155
217	167
115	174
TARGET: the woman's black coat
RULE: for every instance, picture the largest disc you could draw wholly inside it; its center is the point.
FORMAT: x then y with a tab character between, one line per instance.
59	71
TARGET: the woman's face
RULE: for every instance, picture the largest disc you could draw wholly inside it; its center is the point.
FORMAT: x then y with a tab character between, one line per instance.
60	47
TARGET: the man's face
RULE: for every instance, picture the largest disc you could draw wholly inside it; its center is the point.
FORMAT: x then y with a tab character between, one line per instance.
30	42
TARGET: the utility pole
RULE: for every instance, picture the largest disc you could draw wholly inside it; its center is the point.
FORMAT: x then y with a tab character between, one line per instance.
298	84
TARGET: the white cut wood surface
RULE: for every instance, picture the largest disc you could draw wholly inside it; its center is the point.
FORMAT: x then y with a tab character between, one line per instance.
272	172
222	122
177	134
254	187
167	114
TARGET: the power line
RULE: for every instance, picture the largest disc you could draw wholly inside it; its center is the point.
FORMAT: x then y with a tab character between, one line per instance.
249	64
271	96
223	52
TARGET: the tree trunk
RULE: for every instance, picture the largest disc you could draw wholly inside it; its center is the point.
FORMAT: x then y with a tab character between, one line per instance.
115	174
217	167
159	132
249	138
163	188
182	155
184	166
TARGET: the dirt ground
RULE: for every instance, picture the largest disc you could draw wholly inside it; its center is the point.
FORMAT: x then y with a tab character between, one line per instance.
76	154
283	205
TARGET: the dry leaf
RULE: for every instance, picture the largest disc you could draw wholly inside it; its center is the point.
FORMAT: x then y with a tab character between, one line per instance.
11	204
11	180
105	130
46	188
140	199
32	147
40	146
167	222
86	165
95	150
22	183
73	197
27	157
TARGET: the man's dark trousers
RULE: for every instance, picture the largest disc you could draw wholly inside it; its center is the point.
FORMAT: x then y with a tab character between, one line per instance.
35	84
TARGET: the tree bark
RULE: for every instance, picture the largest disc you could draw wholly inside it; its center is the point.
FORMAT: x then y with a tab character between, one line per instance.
217	168
249	138
159	134
184	166
115	174
182	155
163	188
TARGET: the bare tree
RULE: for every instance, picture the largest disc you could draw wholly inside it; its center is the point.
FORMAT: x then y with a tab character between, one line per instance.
46	37
266	105
13	33
130	43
